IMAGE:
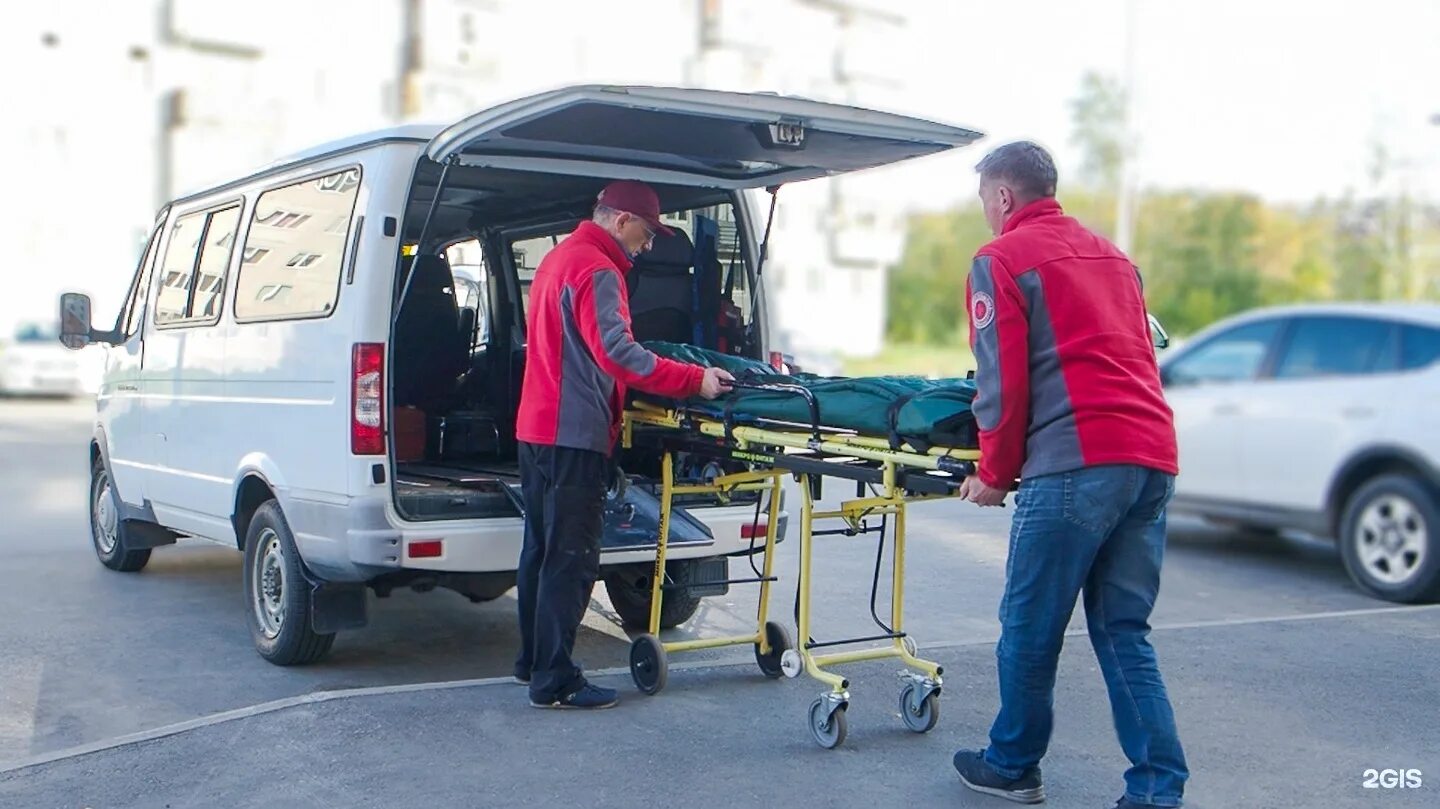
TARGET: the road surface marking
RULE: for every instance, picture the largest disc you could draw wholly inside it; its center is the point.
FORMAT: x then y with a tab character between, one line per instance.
317	697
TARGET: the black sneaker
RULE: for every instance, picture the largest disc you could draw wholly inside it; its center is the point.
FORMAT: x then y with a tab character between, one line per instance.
1126	803
977	774
521	678
589	696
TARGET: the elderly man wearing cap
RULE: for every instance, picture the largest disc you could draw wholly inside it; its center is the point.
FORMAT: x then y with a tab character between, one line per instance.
580	359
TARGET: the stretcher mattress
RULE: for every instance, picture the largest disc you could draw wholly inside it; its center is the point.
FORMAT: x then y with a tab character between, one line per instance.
912	410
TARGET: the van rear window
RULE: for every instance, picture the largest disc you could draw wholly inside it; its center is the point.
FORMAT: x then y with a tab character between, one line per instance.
295	248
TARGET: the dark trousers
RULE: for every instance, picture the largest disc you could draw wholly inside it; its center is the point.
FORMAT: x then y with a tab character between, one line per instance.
564	494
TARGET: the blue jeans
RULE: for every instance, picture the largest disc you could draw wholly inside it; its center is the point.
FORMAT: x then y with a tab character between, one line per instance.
1099	530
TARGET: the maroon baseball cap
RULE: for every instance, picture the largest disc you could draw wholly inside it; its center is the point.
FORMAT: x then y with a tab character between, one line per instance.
635	198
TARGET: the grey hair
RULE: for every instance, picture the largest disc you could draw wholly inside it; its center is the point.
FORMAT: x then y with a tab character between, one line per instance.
605	216
1023	165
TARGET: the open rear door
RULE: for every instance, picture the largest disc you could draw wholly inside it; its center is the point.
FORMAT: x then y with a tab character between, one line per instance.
689	136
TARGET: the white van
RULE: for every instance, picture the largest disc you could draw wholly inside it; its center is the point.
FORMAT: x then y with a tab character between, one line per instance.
294	374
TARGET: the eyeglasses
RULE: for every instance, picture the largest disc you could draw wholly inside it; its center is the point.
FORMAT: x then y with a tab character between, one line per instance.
649	231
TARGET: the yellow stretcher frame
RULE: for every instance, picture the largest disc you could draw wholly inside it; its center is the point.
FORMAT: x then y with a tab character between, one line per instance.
919	698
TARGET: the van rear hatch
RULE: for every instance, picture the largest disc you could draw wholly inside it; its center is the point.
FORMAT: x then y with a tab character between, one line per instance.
689	136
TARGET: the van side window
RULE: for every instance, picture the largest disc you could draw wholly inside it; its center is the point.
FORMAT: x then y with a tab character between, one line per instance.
193	274
205	296
178	268
295	248
132	316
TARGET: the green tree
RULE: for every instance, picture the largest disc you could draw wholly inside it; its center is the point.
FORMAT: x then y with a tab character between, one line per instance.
1198	254
927	288
1097	118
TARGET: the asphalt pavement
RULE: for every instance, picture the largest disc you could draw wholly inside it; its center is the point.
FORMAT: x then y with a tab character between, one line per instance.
1287	682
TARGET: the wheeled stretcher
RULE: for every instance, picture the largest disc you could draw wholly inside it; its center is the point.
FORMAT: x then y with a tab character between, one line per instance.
887	477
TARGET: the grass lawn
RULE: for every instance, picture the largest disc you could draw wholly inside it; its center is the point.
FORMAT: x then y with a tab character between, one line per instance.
908	358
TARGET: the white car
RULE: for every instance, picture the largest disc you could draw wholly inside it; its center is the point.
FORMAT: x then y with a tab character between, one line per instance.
294	375
1319	418
34	363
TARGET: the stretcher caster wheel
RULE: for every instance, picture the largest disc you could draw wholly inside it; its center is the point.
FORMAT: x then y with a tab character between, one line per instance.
827	723
647	664
920	713
779	641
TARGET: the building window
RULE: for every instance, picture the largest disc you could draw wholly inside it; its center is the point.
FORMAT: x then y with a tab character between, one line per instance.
303	260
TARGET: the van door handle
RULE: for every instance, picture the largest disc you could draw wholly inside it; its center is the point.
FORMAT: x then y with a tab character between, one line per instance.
1358	412
1227	409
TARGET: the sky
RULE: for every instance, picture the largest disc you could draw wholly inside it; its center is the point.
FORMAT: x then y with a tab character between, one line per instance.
1279	98
1274	97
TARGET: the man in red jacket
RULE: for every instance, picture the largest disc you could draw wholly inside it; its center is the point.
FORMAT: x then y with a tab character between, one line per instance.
580	358
1069	402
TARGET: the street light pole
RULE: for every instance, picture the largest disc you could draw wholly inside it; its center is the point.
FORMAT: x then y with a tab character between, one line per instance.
1125	203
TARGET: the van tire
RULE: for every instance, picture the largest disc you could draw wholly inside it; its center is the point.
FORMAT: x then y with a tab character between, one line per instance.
630	595
1407	510
278	594
108	533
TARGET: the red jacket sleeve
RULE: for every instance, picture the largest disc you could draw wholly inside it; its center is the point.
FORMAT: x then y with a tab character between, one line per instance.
999	337
604	320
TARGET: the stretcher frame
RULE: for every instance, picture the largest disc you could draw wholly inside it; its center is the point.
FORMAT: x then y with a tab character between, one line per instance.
772	451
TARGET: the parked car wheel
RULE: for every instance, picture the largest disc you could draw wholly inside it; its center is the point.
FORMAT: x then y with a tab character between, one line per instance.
1388	539
630	594
107	530
277	593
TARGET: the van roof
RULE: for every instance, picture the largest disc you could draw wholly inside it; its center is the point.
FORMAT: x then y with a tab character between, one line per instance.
404	133
661	134
422	132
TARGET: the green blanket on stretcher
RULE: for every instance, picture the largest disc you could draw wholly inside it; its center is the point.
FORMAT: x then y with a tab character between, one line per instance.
913	410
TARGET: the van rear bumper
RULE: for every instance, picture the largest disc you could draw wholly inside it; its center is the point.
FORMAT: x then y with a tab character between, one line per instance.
371	546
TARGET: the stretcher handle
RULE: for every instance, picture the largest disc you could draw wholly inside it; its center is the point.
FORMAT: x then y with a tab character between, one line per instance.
794	390
962	468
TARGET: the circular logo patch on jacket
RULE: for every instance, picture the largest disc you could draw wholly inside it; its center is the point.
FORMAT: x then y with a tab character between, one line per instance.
982	310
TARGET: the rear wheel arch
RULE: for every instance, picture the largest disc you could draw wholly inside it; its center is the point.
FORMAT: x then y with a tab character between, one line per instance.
1368	465
253	492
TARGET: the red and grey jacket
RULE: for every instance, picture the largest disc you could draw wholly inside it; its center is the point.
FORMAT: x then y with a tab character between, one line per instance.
581	354
1067	376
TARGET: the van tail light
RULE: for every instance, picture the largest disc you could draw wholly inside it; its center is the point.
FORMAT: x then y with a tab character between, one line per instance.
754	530
367	416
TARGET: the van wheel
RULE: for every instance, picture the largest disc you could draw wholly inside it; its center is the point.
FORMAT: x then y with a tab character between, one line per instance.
277	594
107	530
1388	539
630	593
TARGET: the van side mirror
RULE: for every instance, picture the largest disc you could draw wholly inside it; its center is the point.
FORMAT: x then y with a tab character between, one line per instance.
75	329
1158	334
